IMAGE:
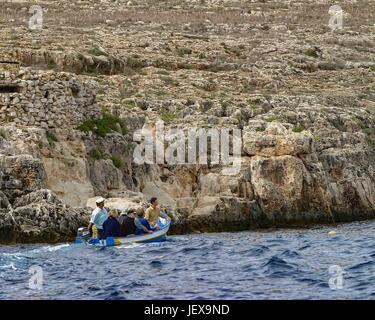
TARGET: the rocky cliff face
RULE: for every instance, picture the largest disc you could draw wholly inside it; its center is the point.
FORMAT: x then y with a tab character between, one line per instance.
301	94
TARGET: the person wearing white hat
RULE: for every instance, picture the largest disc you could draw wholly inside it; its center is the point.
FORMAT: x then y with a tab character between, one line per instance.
98	216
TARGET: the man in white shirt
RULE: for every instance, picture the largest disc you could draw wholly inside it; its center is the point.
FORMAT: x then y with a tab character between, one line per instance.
98	216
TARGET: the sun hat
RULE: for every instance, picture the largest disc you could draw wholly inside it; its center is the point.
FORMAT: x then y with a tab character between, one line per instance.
99	200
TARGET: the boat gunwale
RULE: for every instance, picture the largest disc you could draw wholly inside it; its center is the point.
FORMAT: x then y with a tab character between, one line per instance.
133	238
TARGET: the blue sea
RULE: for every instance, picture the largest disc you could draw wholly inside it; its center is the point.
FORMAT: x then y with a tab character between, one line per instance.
277	264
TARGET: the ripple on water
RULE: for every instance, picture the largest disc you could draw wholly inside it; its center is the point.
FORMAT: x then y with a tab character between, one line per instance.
256	250
362	265
276	266
256	265
188	250
290	254
115	295
249	267
304	247
156	264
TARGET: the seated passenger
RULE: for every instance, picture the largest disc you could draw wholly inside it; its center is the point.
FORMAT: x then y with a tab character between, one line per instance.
153	213
142	225
111	226
127	223
122	216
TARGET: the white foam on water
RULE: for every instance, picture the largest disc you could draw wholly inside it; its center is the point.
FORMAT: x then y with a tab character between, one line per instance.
15	255
128	246
57	247
178	239
9	266
45	249
49	248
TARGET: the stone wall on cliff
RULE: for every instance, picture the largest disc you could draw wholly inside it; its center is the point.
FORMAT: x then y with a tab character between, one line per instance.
37	109
48	100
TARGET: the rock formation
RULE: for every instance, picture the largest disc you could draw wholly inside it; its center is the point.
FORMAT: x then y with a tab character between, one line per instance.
73	94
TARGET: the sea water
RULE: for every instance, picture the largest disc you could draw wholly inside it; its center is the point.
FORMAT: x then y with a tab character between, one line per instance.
272	264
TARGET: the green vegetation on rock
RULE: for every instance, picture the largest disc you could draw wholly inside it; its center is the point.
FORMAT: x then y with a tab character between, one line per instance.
169	81
51	138
260	129
271	118
135	63
298	128
95	51
167	115
163	72
311	53
370	141
3	134
105	125
117	162
182	51
129	104
97	154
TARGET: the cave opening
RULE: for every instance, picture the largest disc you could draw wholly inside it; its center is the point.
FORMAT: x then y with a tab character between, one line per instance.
10	88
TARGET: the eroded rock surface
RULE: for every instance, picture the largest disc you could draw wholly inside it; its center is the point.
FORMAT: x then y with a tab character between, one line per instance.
302	94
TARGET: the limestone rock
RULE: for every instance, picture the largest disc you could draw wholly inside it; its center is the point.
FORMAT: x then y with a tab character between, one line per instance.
306	111
38	217
21	174
276	141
